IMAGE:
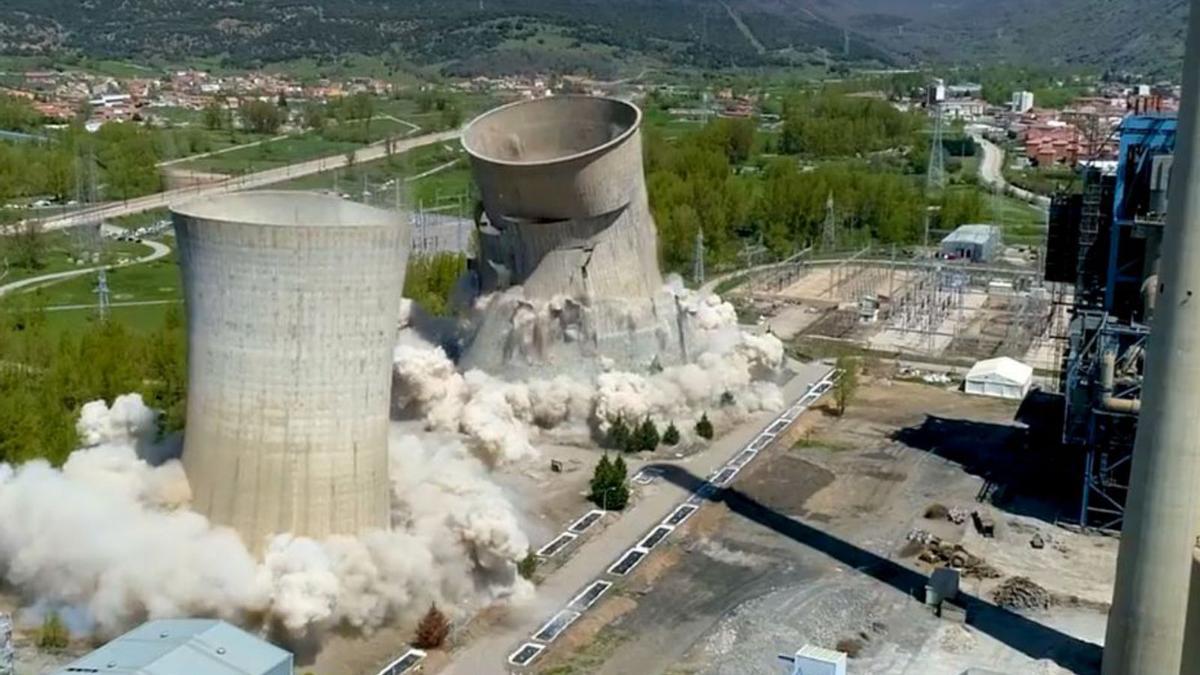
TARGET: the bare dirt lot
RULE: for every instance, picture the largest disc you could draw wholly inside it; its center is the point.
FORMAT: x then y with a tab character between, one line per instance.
812	545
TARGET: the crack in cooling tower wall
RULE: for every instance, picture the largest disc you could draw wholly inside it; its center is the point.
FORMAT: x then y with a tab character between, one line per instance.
570	274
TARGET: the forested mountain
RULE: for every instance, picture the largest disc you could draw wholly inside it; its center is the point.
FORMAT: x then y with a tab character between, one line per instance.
468	36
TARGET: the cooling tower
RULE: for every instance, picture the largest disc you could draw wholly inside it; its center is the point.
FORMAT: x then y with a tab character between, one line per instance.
292	306
569	246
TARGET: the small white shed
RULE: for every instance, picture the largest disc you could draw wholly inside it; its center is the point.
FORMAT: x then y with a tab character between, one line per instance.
1002	378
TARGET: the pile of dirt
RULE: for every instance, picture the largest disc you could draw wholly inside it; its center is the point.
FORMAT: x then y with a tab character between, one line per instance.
937	553
1022	593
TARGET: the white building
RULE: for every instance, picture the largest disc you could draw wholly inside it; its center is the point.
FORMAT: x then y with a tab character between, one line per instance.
1000	378
811	660
1022	101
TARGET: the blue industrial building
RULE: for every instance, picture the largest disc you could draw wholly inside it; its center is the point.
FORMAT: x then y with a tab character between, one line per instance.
1105	243
185	647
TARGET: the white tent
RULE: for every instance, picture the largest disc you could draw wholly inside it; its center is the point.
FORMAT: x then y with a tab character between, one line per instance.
1002	378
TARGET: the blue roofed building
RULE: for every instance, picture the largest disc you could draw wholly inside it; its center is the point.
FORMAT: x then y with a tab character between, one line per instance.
185	647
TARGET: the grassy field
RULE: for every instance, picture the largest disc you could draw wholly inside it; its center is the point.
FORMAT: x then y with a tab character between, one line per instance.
141	319
294	149
454	180
158	280
62	251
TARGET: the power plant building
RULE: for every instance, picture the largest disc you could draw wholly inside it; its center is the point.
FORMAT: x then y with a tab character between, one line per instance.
979	243
569	251
292	304
184	647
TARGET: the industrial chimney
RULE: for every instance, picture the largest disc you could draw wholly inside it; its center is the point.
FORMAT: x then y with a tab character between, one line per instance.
1149	616
292	307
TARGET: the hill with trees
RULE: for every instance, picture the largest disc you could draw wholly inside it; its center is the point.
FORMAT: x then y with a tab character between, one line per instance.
602	37
458	36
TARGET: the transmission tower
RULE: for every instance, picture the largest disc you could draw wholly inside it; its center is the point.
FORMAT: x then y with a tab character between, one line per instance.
935	177
103	295
829	233
698	259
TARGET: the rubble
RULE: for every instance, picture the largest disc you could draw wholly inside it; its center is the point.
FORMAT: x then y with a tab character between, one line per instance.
938	553
1022	593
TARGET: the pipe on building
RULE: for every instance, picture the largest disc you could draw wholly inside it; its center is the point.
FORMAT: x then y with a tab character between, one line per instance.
1151	606
1109	402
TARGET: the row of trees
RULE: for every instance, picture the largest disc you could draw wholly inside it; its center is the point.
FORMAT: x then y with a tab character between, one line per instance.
643	437
831	125
693	187
125	157
44	381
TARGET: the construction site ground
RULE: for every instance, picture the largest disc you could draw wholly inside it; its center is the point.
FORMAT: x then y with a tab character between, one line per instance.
818	543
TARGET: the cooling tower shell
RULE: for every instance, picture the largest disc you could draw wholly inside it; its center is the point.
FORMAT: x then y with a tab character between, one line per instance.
562	183
292	305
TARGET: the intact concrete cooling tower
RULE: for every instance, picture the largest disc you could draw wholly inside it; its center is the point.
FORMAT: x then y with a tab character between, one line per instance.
292	306
568	247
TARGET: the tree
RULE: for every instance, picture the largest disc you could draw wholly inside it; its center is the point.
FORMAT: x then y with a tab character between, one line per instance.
618	434
648	437
261	117
847	383
215	116
314	116
281	101
608	488
704	428
431	279
528	565
451	117
53	634
433	629
671	435
27	244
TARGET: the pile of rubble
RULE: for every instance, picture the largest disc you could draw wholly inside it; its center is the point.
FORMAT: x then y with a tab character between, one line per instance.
937	553
1022	593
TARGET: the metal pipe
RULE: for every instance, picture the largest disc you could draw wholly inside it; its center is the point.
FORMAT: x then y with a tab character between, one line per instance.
1148	619
1108	401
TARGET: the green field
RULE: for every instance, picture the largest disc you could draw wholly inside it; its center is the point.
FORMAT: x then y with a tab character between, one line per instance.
141	319
62	251
298	148
451	181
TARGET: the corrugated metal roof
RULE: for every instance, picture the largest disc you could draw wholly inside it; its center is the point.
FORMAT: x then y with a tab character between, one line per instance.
183	647
973	234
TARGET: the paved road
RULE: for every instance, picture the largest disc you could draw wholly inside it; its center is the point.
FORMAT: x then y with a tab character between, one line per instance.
991	172
159	251
487	655
237	183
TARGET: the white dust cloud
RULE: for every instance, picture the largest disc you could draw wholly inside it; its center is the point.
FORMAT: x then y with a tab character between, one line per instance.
728	380
110	537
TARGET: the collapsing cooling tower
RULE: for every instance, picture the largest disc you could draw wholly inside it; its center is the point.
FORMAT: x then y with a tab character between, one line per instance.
569	245
292	305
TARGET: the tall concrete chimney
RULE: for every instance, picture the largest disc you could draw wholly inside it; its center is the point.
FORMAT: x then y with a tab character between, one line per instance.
1148	619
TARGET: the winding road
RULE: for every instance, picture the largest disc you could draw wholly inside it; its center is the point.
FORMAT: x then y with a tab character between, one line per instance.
159	251
991	171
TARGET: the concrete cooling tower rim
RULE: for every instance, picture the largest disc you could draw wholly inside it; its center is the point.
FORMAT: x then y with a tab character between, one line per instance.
566	111
285	208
